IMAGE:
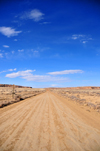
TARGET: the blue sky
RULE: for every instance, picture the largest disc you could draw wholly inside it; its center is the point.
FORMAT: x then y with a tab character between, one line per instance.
50	43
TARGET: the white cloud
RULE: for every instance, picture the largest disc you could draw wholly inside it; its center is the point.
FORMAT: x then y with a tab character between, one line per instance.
90	39
15	39
81	35
53	85
38	78
21	50
36	53
8	70
2	71
20	74
5	46
35	14
8	31
44	78
65	72
1	55
44	23
84	42
13	52
74	37
83	38
12	69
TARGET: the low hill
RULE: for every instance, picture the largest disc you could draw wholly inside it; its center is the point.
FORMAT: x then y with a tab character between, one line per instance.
16	86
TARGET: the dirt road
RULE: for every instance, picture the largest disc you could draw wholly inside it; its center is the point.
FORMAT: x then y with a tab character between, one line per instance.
45	123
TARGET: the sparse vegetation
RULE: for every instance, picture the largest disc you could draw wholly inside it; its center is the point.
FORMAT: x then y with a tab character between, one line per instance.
10	95
88	96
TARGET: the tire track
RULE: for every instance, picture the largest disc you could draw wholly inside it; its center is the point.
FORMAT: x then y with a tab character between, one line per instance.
76	132
44	123
17	126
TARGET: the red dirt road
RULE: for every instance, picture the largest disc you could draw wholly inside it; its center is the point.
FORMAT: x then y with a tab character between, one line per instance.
46	123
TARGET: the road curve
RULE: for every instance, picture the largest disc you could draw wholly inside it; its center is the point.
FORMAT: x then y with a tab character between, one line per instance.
45	123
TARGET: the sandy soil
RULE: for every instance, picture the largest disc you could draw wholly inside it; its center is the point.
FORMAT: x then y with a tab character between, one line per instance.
48	122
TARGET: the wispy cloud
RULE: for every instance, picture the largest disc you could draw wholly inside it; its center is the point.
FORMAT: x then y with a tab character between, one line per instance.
65	72
21	50
20	74
84	42
27	74
45	23
13	52
90	38
15	39
20	54
36	53
73	38
34	14
12	69
45	78
5	46
1	55
53	85
8	70
83	38
9	31
77	36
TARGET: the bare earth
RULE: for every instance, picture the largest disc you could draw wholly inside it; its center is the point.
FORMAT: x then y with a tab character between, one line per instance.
48	122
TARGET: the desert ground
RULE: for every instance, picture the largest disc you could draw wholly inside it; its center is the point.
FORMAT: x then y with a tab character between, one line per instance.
10	95
85	96
52	120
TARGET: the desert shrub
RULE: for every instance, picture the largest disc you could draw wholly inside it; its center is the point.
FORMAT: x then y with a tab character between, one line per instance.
98	107
17	97
78	96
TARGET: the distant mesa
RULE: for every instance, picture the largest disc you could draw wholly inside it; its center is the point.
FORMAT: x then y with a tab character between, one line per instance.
77	88
16	86
88	87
